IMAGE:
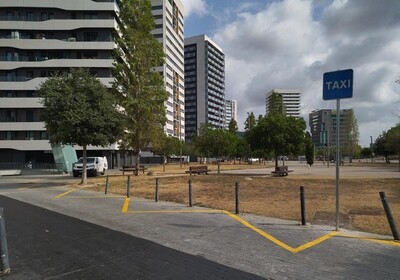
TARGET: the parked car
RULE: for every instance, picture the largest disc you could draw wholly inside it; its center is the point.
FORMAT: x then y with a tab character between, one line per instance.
94	166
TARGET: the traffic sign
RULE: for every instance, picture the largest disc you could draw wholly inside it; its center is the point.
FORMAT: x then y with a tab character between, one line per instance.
338	85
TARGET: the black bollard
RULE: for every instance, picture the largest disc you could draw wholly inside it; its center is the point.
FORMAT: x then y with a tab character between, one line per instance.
190	194
106	190
389	216
237	198
156	196
128	187
303	207
5	264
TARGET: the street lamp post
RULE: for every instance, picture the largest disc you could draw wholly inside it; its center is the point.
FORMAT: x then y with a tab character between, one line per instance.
372	150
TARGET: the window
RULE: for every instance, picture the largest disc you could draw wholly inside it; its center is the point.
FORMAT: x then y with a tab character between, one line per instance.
90	36
43	16
29	116
11	116
29	16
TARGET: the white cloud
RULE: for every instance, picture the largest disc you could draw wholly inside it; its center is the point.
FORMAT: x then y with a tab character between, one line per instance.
283	45
197	7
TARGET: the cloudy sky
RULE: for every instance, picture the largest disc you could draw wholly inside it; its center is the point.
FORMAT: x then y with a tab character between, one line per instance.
291	43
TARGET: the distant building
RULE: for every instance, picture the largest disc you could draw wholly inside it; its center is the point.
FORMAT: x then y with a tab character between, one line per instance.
291	99
323	127
230	111
204	84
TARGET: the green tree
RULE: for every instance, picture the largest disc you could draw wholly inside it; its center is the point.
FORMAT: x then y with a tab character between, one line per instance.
276	105
366	153
279	134
250	121
393	141
233	128
166	146
309	148
79	110
217	143
380	146
138	87
242	148
350	145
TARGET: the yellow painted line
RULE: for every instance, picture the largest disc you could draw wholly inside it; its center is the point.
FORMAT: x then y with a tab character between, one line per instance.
316	241
375	240
126	205
277	241
174	211
67	192
259	231
97	196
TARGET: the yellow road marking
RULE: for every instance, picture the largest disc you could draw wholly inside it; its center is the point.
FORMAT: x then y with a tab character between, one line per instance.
375	240
174	211
65	193
277	241
97	196
126	205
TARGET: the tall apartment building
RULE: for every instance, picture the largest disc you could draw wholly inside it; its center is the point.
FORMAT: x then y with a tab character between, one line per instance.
38	38
291	99
230	112
204	84
168	15
323	127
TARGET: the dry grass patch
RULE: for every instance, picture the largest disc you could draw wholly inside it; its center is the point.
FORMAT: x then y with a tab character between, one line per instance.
274	196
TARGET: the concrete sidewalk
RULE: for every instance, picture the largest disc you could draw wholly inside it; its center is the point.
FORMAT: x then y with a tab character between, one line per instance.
254	245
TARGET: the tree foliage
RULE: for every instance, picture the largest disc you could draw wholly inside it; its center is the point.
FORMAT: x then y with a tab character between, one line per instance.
233	128
218	143
250	122
79	110
393	141
350	145
138	87
276	105
278	134
166	146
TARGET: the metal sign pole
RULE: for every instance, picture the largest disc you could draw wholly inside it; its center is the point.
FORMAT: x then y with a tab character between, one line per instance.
337	160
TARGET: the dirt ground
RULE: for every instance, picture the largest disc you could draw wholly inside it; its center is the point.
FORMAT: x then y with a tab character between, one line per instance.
360	204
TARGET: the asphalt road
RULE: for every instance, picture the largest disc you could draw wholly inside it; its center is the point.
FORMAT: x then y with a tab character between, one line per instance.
47	245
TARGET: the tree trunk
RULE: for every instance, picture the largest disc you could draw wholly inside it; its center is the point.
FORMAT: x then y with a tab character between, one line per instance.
219	162
137	161
84	162
163	163
276	162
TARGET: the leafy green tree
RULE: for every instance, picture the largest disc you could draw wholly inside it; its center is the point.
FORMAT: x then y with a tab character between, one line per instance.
309	148
242	148
276	105
166	146
279	134
350	145
79	110
380	146
233	128
366	153
213	142
250	122
393	141
138	87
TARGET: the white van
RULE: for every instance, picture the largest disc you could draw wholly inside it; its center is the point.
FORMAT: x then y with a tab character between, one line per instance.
94	165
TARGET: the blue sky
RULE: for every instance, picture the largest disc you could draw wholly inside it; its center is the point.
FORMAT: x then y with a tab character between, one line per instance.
291	43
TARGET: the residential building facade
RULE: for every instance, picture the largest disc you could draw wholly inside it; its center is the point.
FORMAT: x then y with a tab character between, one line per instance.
230	112
38	39
291	99
204	84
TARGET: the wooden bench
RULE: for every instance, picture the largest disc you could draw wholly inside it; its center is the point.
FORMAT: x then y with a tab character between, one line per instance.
198	169
126	168
281	171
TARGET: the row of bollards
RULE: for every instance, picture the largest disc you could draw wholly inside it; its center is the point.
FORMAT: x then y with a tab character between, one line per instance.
385	203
